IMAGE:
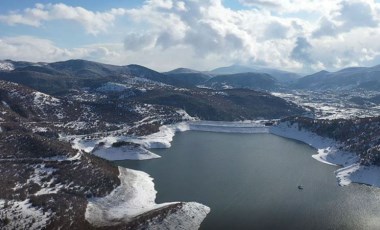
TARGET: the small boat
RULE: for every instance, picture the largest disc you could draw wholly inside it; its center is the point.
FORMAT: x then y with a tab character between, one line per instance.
300	187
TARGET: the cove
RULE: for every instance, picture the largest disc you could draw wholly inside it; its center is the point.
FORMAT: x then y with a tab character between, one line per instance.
250	182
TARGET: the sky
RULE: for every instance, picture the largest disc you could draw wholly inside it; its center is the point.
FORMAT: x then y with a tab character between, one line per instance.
296	35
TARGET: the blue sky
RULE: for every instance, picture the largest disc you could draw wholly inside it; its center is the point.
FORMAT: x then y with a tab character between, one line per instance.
295	35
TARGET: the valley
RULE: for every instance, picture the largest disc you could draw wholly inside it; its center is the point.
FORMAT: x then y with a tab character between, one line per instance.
65	121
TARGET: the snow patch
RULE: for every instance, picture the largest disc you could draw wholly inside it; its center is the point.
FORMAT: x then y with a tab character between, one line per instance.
189	216
39	176
5	104
124	153
41	99
185	116
22	215
135	195
357	173
6	66
40	172
39	130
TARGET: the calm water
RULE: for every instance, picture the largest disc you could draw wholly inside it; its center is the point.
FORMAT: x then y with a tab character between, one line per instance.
250	182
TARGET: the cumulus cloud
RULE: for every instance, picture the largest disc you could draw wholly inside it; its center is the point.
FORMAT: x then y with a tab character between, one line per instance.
261	3
255	36
302	51
350	15
207	27
326	28
34	49
276	30
93	22
357	47
293	6
356	14
136	41
297	35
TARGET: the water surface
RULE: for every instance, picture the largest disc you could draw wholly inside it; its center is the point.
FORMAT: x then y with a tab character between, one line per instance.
250	182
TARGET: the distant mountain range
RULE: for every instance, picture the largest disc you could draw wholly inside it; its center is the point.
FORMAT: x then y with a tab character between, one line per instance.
257	81
187	77
61	76
367	78
279	75
138	84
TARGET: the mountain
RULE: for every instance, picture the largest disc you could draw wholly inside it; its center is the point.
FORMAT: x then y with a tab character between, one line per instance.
47	184
9	65
187	78
281	76
256	81
367	78
143	72
59	77
84	69
105	87
182	70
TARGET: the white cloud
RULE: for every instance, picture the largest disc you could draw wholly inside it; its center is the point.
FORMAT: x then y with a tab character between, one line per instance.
298	35
357	47
357	14
214	32
93	22
34	49
326	28
261	3
302	53
136	41
258	35
276	30
350	15
293	6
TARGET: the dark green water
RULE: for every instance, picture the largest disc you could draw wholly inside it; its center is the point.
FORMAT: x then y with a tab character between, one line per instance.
250	182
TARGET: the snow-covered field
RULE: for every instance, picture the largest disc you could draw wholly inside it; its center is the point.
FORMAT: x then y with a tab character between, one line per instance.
333	105
136	195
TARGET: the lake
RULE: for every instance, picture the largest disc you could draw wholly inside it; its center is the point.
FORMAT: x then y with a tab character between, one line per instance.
250	182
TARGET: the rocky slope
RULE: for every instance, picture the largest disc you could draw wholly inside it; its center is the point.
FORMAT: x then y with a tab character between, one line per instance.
48	184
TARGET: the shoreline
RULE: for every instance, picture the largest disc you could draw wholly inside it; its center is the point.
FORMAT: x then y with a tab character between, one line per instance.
135	196
328	153
328	149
